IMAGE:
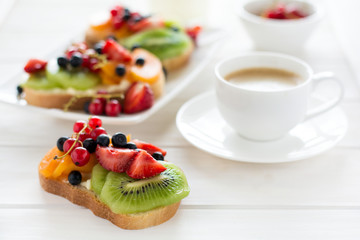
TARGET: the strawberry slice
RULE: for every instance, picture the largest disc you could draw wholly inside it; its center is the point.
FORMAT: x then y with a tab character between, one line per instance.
115	159
148	147
116	52
144	166
138	97
193	32
35	65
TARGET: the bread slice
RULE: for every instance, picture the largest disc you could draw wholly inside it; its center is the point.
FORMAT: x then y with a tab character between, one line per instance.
177	62
59	98
93	36
86	198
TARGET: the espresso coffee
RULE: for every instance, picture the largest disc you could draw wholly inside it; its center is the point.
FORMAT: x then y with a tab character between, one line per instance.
264	79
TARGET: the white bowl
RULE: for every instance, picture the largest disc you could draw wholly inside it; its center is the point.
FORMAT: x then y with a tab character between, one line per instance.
278	35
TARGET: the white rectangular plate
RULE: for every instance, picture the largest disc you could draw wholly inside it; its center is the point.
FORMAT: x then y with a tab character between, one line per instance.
208	42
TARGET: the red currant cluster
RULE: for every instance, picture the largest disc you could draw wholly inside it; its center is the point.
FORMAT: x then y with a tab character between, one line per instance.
79	55
104	104
82	142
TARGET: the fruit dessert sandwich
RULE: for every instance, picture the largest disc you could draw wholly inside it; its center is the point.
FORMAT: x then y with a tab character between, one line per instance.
123	180
169	41
108	79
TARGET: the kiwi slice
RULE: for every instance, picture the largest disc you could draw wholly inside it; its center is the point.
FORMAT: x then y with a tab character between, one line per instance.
98	177
39	81
126	195
79	79
163	42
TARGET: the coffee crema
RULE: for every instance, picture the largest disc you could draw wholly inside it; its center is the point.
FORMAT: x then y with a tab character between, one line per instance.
264	79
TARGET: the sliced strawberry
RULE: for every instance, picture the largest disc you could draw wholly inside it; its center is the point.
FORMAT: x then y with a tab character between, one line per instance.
148	147
140	25
138	97
116	52
144	166
115	159
193	32
35	65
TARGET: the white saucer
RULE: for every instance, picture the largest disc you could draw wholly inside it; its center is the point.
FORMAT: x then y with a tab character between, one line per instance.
201	124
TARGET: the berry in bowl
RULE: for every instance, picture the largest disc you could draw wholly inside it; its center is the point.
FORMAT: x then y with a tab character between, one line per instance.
282	26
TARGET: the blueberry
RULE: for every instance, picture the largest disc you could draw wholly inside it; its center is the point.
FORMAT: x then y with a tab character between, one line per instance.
99	47
165	72
86	107
140	61
131	145
90	145
158	156
137	19
127	14
60	143
76	60
112	37
75	178
135	46
103	140
175	29
120	70
19	90
119	140
62	61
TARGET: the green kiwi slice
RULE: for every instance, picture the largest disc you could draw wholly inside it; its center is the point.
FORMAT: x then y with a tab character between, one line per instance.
163	42
78	79
39	81
98	177
126	195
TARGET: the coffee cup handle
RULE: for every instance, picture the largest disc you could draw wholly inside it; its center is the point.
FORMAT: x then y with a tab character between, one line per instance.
317	79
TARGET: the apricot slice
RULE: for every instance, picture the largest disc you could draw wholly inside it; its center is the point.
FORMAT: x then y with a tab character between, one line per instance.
102	26
48	164
149	72
108	73
60	168
122	32
67	165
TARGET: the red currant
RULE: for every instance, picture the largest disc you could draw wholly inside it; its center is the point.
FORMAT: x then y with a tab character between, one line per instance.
86	61
92	64
96	132
117	23
95	122
68	143
96	107
78	126
83	136
71	51
113	108
80	156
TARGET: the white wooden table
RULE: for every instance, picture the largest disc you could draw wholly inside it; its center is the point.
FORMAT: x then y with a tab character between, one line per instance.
317	198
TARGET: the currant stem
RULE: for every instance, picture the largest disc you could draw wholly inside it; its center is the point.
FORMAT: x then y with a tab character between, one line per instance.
72	146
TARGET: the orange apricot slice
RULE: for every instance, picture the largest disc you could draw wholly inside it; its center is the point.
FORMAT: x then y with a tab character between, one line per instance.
102	26
108	73
48	164
122	32
149	72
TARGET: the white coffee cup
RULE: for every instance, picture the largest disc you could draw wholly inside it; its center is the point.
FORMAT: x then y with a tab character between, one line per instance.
269	115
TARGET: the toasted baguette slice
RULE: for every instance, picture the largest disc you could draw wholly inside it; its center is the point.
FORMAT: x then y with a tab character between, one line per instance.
86	198
59	98
173	63
92	36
